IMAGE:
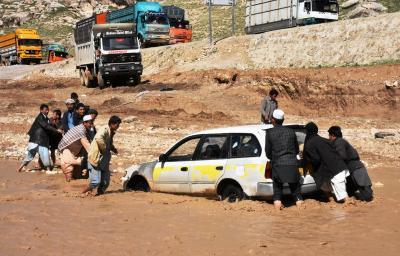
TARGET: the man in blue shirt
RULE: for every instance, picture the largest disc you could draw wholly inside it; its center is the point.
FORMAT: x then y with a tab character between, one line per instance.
68	116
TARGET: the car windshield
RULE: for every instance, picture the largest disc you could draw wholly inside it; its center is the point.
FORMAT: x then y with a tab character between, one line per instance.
119	43
29	42
325	6
157	19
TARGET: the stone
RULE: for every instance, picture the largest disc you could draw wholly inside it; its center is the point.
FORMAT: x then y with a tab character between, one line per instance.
390	85
374	6
382	135
349	3
130	119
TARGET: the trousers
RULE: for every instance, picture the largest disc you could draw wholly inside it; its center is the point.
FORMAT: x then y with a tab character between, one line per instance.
33	149
99	179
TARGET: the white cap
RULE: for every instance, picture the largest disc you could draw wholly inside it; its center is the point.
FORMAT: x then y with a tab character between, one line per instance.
69	101
87	118
278	114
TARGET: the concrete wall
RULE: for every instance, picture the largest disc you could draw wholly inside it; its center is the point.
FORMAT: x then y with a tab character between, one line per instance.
349	42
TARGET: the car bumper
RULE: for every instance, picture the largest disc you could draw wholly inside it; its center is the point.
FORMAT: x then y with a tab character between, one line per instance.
265	189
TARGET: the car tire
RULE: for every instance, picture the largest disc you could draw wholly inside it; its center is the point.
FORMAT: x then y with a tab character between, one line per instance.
232	193
139	184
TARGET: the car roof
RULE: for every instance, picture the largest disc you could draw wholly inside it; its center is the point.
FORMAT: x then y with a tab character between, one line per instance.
255	128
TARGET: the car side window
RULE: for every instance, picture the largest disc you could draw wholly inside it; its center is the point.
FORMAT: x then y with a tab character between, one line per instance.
245	145
214	147
185	151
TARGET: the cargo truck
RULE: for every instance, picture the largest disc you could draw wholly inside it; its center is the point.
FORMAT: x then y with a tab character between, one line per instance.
20	47
180	30
152	25
267	15
107	54
53	53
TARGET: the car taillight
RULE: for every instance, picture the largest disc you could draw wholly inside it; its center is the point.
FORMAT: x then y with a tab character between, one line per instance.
268	171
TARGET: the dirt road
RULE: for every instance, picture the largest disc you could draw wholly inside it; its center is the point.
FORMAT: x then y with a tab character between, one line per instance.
42	216
16	72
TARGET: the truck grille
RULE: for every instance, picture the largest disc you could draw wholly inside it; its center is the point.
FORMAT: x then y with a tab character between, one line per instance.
121	58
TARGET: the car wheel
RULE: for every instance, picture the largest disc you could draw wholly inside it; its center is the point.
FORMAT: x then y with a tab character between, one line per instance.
138	183
232	193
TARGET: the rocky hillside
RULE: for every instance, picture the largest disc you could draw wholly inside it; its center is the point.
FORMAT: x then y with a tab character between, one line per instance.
55	18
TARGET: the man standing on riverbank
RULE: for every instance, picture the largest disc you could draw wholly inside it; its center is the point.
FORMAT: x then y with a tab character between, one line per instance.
268	105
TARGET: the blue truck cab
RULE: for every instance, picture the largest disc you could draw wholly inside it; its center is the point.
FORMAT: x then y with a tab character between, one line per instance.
152	25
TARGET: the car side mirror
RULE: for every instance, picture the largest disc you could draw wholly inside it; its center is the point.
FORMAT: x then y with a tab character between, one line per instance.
162	158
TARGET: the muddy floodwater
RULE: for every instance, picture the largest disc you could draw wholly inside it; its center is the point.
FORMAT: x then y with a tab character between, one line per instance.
42	215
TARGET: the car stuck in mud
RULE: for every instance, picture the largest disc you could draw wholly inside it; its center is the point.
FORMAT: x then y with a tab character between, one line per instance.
227	162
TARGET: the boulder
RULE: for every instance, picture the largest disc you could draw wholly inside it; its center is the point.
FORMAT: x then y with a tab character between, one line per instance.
377	7
382	135
349	3
360	12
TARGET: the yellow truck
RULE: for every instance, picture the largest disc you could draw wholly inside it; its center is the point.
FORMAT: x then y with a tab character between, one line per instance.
20	47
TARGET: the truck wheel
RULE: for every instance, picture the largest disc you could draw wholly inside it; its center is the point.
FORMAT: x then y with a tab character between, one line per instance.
136	81
100	81
88	83
141	40
82	77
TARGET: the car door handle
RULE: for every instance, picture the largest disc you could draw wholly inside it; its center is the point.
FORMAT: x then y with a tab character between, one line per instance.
184	169
219	168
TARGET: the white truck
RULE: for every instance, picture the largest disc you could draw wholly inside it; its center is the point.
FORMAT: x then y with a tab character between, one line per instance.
268	15
107	54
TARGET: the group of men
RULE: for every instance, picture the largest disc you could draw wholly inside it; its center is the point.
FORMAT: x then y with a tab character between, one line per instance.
84	150
333	163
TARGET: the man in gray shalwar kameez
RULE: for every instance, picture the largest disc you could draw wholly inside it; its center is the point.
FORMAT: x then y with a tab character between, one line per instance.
268	105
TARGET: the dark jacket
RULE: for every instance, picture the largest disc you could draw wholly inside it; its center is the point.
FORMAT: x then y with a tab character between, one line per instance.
77	119
322	155
350	155
64	120
40	130
55	137
281	148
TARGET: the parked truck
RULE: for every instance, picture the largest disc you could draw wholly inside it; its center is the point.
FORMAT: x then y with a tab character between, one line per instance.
152	24
53	52
267	15
180	30
23	46
107	54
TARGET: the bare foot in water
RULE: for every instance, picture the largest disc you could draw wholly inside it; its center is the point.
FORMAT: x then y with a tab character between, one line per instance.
21	168
278	205
300	205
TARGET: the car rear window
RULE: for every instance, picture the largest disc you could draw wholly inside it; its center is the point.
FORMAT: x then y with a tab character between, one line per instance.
245	145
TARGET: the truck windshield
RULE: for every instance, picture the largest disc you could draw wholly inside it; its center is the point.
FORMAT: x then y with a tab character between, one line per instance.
29	42
179	23
119	43
325	6
157	19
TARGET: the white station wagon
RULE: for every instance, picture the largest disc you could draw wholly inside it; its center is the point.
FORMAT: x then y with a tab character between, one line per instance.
229	162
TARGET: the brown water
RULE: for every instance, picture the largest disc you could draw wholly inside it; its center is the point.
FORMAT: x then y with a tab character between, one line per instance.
41	215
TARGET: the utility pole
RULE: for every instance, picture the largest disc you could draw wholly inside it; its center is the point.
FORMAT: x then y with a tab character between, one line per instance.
209	22
233	17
